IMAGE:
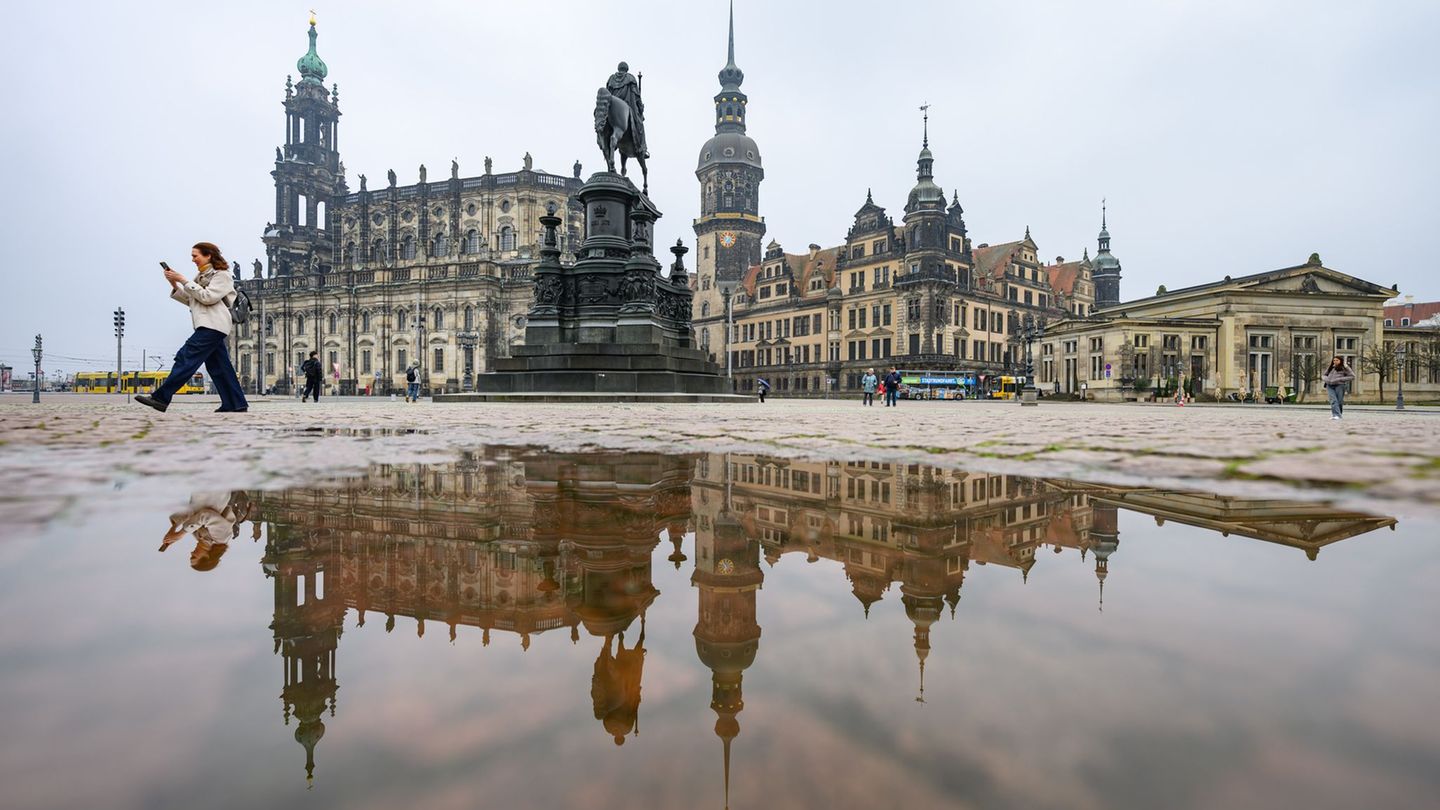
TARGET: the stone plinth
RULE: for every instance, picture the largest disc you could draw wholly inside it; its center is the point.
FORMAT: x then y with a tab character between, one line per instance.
610	324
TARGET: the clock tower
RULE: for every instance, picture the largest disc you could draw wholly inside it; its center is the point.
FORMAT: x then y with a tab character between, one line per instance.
729	228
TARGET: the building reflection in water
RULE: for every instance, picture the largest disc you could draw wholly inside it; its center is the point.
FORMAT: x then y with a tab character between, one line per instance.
526	543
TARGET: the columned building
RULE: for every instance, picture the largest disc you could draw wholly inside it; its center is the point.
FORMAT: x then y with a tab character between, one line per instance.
434	274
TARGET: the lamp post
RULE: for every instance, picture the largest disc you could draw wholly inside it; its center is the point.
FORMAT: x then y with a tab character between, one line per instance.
38	351
119	338
1400	365
1029	332
727	291
468	340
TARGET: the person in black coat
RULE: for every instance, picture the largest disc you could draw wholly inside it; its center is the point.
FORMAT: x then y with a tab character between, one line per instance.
313	374
892	387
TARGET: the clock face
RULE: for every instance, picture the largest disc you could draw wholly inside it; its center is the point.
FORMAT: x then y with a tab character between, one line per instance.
727	239
726	566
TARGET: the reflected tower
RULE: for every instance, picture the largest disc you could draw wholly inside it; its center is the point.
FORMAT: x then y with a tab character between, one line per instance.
727	635
1104	540
309	619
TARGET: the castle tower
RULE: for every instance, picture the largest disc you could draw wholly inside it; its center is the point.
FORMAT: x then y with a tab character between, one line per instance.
1105	540
308	173
729	228
1105	268
925	280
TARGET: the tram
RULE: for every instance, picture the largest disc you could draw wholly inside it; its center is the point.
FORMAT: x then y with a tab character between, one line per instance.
132	382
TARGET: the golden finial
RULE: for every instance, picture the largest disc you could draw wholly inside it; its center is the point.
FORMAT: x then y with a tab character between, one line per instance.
312	17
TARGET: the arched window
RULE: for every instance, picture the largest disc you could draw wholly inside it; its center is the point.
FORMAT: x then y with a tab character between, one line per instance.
705	338
439	319
507	238
441	245
269	327
704	309
299	324
349	255
377	251
332	322
365	321
472	241
400	319
407	247
469	318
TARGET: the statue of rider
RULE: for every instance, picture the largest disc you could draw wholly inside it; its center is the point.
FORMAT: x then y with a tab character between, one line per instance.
623	85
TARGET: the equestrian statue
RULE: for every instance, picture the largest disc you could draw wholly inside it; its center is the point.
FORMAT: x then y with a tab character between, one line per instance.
620	122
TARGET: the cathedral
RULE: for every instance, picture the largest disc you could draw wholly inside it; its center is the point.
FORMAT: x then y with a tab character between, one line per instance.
434	275
917	295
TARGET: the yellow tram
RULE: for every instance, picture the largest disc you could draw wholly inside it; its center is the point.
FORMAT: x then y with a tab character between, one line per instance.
132	382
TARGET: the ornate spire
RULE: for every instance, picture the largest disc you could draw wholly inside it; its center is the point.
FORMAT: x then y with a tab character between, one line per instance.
312	67
731	76
925	108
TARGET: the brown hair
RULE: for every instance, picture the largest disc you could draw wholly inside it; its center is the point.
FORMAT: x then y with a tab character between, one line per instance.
209	251
1337	357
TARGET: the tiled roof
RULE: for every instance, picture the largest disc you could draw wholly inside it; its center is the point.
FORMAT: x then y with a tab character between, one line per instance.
1063	276
1416	312
992	260
803	266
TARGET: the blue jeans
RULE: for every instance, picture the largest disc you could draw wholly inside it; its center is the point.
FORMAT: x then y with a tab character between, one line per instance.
1337	399
205	347
413	391
892	396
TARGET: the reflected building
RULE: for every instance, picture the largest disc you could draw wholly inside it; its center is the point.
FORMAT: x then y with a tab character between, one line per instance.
527	542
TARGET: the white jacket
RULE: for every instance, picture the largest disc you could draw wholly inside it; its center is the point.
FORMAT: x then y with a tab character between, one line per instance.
209	297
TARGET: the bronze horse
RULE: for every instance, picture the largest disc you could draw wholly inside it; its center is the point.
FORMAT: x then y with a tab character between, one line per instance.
613	132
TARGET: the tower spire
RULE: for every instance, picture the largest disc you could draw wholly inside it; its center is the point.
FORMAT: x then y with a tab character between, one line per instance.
731	60
925	108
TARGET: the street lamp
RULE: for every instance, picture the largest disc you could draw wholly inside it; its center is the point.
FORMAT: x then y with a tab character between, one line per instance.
119	338
727	291
468	340
1400	364
1029	332
38	352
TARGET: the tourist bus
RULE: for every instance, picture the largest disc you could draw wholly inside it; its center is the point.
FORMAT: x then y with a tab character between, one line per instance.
133	382
936	385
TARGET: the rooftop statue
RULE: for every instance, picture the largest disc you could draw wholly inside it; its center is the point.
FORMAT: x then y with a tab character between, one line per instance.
620	122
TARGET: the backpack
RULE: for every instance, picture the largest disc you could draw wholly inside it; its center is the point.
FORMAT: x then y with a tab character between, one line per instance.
410	375
240	307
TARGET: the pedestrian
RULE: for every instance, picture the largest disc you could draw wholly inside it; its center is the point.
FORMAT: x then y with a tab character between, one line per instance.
313	373
892	388
1335	378
868	384
209	296
764	387
412	383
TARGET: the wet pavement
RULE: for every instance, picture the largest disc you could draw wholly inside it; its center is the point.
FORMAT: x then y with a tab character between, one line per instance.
525	627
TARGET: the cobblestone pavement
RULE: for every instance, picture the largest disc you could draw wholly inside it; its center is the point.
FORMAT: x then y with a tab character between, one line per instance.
73	452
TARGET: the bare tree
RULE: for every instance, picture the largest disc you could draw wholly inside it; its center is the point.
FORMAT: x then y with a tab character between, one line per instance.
1380	360
1427	354
1308	368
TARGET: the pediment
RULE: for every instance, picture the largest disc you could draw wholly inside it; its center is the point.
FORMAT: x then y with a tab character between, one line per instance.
1312	280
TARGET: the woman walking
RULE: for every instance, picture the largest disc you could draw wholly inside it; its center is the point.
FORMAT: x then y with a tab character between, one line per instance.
868	383
209	297
1335	378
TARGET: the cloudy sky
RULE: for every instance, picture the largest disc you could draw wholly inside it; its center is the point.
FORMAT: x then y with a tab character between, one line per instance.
1229	136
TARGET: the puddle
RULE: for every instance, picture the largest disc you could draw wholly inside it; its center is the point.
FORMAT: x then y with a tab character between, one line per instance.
528	629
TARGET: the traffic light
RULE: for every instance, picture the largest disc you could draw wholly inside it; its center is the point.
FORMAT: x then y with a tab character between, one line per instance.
119	323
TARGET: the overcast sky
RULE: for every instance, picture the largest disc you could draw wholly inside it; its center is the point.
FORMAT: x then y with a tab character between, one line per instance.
1230	136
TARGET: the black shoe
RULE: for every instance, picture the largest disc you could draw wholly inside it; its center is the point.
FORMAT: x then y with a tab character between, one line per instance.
146	399
231	410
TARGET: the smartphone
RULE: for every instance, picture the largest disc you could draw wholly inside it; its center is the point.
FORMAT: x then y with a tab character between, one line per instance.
164	266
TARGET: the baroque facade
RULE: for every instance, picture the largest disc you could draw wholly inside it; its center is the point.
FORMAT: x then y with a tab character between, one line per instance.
918	295
436	273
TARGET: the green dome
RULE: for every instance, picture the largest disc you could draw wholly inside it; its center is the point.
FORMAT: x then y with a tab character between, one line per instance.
312	67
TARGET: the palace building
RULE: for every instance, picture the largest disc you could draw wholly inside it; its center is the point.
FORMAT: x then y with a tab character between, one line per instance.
436	273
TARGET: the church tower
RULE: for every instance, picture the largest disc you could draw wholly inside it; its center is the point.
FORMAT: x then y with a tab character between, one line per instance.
729	228
1105	269
308	173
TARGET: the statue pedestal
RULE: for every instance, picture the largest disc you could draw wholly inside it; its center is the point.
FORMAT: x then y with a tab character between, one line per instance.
610	327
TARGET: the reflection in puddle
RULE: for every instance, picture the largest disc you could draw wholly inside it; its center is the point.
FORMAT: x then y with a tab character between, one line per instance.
523	543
